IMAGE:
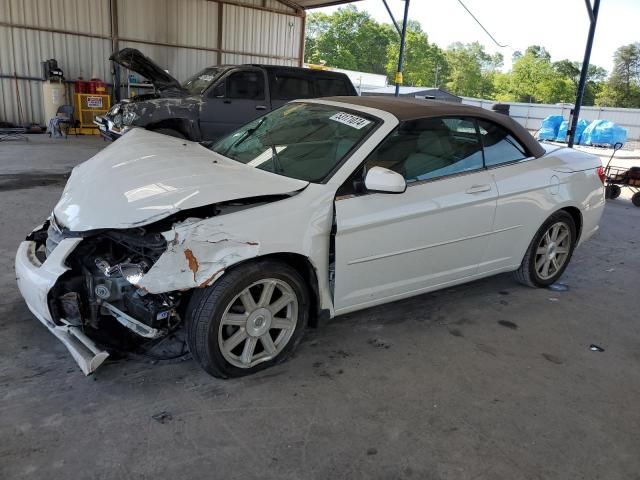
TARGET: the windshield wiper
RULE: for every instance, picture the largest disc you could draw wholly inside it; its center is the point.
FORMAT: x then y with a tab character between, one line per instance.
277	168
245	136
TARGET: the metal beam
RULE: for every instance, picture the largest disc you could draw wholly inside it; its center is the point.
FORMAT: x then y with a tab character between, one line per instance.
115	46
298	11
593	16
220	33
589	10
54	30
403	36
302	37
207	49
393	19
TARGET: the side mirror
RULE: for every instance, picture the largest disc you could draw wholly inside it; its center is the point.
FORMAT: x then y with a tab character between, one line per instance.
379	179
218	90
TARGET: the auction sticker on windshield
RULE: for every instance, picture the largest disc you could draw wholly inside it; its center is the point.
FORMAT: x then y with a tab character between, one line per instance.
351	120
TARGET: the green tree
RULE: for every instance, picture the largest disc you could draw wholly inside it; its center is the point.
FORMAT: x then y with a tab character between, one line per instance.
534	79
472	70
595	78
623	87
349	39
425	64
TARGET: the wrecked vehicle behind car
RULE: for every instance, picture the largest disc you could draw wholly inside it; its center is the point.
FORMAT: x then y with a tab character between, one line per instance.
214	101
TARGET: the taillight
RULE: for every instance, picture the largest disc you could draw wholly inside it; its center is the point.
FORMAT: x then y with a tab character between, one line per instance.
601	174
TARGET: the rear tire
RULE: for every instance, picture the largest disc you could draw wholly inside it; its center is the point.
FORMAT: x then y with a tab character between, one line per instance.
549	252
252	318
170	132
636	199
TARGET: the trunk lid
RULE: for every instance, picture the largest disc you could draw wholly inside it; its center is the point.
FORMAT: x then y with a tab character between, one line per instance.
136	61
146	176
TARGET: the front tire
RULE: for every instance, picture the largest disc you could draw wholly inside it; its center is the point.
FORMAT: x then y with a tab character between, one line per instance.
252	318
549	252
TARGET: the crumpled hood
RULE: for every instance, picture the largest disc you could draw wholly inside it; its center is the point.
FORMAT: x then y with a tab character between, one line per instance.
146	176
136	61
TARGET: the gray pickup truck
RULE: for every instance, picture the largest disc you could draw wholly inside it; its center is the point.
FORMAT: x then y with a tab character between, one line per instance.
216	100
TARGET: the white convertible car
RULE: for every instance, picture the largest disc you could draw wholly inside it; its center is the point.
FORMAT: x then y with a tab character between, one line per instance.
319	208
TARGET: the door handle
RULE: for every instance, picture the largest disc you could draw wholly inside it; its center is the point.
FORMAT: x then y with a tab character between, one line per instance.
261	107
478	189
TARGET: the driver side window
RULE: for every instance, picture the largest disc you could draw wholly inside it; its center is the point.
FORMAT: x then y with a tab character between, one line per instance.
430	148
247	85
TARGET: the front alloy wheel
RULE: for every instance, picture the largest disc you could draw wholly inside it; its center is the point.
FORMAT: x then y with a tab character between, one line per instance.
258	323
250	319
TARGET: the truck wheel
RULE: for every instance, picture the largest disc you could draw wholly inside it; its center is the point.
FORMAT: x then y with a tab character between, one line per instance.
170	132
549	252
636	199
250	319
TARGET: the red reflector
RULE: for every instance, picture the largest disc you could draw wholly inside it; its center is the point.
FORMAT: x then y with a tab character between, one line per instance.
601	174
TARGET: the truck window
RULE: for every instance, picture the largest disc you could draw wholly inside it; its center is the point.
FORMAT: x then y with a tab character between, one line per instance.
247	85
288	86
331	87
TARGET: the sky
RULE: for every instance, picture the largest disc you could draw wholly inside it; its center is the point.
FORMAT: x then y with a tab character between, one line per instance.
561	26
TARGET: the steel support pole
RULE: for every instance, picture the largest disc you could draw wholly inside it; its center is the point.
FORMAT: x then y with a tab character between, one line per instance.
593	17
398	79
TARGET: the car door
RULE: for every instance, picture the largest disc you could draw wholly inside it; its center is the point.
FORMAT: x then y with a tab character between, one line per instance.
525	187
238	98
389	246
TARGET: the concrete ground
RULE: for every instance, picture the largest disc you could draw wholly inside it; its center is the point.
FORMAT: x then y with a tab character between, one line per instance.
490	380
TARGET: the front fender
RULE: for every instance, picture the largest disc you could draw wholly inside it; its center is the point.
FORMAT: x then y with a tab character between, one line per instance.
196	256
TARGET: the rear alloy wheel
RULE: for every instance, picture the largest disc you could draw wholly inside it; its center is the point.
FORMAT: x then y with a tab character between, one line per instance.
250	319
549	252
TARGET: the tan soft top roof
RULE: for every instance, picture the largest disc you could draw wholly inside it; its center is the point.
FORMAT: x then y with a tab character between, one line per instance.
413	108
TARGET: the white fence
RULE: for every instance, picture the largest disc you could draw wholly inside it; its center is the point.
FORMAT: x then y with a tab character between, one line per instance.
530	115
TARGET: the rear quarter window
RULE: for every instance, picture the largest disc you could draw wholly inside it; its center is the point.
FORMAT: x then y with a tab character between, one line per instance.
332	87
499	145
287	86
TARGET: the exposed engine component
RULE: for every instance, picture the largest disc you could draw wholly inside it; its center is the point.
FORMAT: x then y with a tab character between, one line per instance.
99	293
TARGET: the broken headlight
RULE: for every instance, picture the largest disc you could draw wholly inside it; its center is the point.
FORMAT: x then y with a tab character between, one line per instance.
128	118
131	272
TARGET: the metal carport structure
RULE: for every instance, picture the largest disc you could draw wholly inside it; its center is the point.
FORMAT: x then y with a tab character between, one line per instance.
182	36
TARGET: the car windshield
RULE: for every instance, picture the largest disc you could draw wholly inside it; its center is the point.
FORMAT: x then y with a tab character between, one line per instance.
201	80
300	140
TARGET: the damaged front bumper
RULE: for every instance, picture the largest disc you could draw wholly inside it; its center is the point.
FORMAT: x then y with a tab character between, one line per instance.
107	128
35	280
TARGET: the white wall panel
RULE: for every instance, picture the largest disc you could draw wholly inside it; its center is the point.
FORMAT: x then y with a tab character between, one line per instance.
22	50
530	115
86	16
178	22
264	33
